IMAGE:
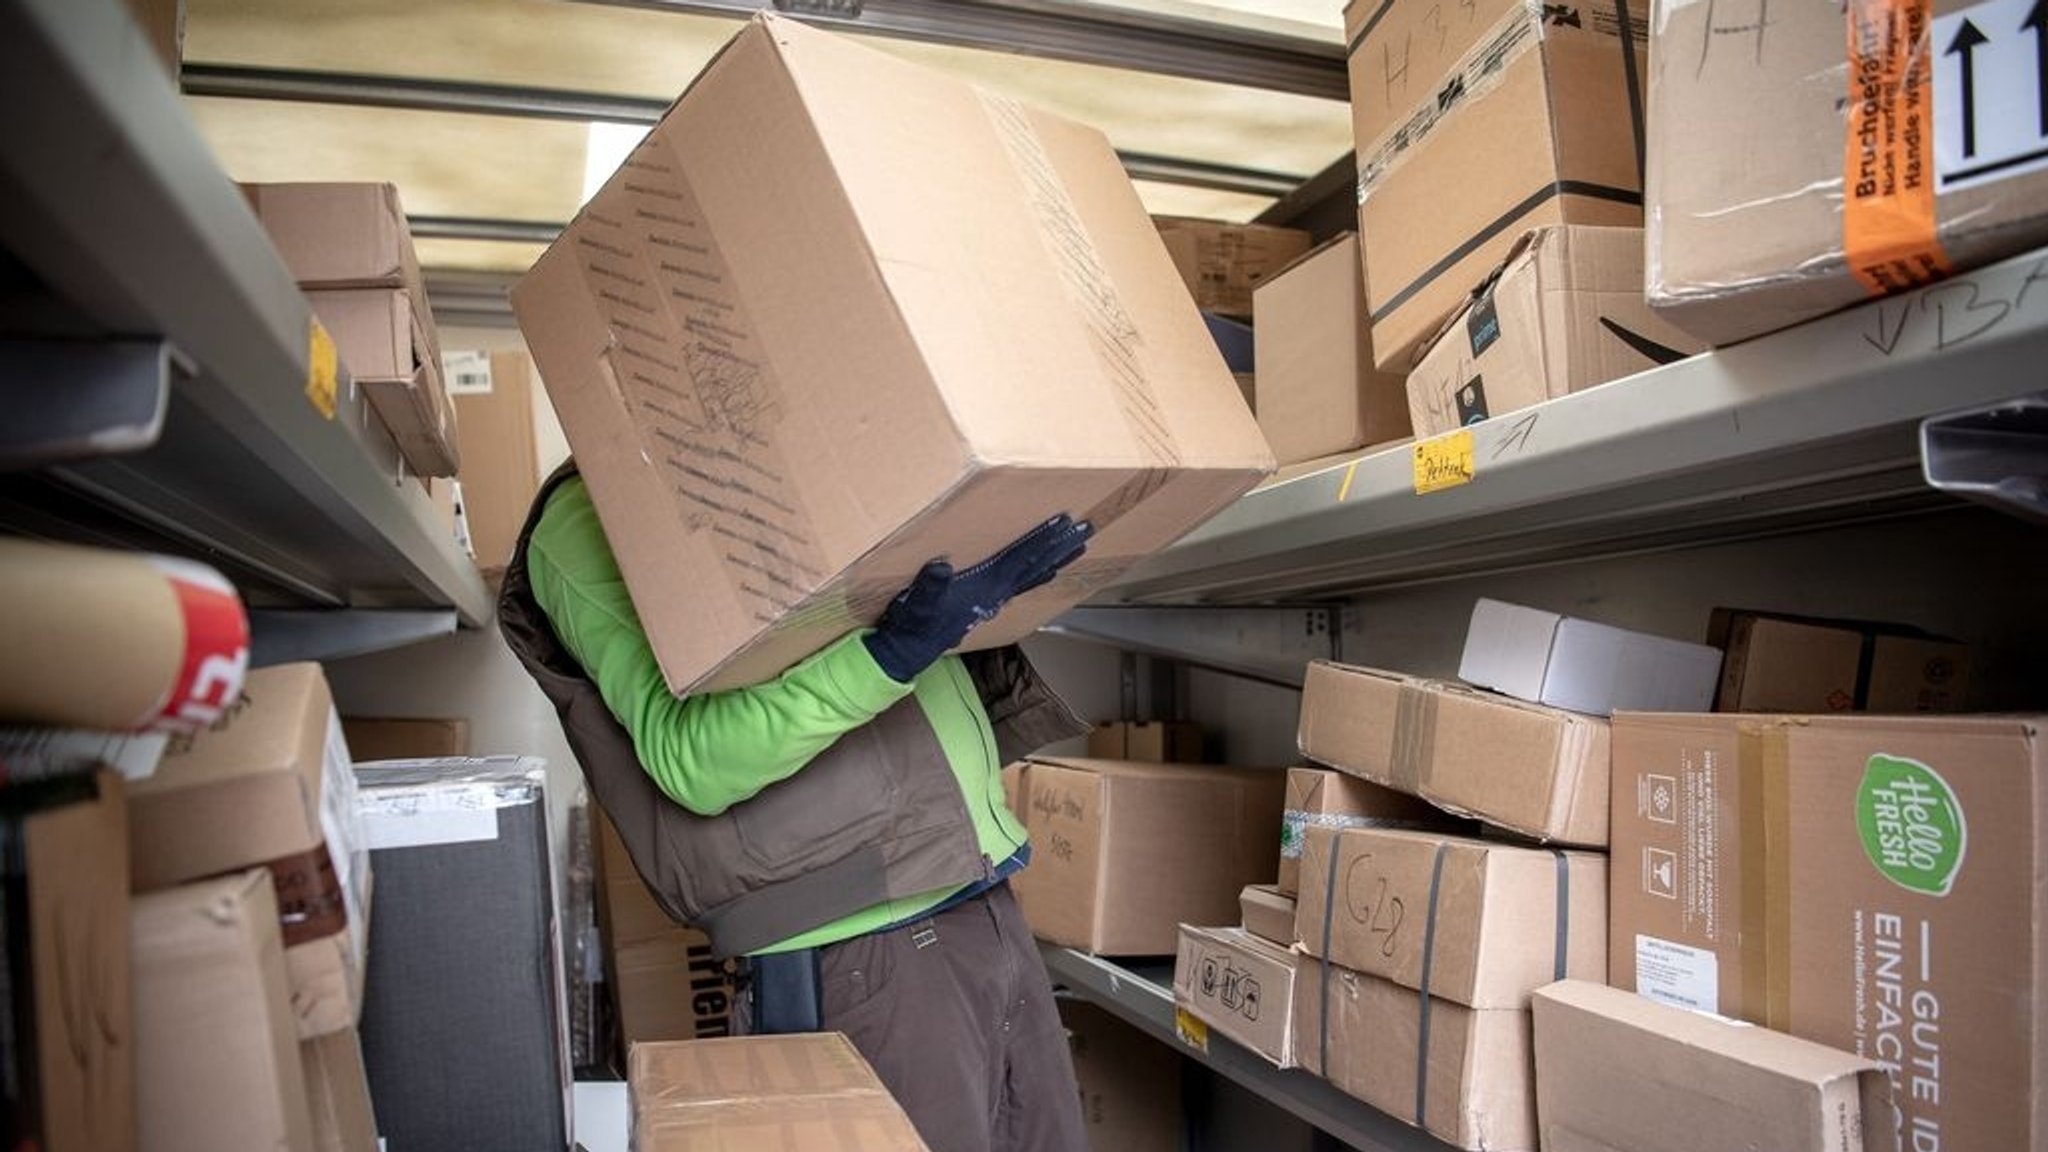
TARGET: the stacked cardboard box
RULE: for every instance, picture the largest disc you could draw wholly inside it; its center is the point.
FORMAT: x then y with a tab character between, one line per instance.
494	399
839	314
1130	1083
349	248
807	1090
1152	741
1224	264
1318	393
1878	884
1239	984
1781	663
1268	913
1598	669
1319	798
665	983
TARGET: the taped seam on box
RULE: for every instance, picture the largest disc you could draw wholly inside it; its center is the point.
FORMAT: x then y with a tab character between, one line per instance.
1754	891
1475	75
1890	231
1414	736
1778	880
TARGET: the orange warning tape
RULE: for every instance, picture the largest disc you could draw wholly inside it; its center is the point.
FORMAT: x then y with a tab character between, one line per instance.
1889	228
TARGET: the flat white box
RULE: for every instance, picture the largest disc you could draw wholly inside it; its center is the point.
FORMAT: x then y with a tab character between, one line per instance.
1581	666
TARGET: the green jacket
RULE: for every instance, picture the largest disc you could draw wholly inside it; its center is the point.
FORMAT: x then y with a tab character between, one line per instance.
717	750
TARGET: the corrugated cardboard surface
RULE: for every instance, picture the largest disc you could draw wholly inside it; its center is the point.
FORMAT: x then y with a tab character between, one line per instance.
500	459
1748	153
802	1091
1224	264
1240	985
839	315
1617	1071
1777	870
1317	798
338	235
1318	392
1782	663
1484	923
1533	125
1474	1083
1130	1083
338	1093
1268	913
1157	741
216	1052
381	738
1583	665
1400	52
66	907
1539	771
1563	314
388	342
1124	853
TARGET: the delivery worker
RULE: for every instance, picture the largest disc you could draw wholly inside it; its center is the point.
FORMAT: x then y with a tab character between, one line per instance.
842	826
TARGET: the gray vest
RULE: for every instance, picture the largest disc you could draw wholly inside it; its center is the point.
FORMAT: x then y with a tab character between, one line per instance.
877	816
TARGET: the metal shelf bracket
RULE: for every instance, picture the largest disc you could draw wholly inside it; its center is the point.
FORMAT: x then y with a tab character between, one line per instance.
1996	454
75	399
283	635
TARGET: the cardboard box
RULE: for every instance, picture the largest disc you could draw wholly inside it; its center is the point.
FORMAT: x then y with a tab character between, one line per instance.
1790	180
216	1044
1240	985
1878	884
1566	662
1473	1085
337	235
920	320
1537	123
1268	913
1564	313
1481	924
387	340
1779	663
270	786
465	1029
338	1093
1614	1070
1124	853
1153	741
1317	798
1535	770
68	1031
1223	264
500	457
1321	394
1399	53
1130	1083
384	738
810	1090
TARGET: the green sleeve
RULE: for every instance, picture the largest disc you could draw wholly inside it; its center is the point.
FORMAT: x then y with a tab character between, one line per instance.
706	752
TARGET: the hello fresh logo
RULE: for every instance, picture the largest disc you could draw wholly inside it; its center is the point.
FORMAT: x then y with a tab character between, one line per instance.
1912	824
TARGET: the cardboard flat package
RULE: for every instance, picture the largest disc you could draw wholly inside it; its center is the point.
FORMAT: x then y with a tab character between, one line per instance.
64	906
1156	741
1474	922
1124	853
1268	913
1224	264
338	1093
348	245
380	738
1239	985
1537	121
838	315
1565	312
501	455
810	1090
1874	883
1463	1074
1779	663
1531	769
663	980
216	1047
1319	798
1843	155
270	786
1319	393
1130	1083
1614	1070
1584	666
464	1017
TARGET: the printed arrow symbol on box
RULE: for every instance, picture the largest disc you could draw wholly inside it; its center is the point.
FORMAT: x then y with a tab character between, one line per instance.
1968	37
2037	23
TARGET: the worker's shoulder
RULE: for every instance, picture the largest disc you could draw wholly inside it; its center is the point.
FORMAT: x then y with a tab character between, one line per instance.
568	536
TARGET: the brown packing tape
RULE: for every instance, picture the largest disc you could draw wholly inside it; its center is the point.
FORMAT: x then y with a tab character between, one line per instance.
1755	891
310	903
1414	736
1778	879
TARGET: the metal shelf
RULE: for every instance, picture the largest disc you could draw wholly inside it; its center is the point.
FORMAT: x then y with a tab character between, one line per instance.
1143	996
117	223
1811	427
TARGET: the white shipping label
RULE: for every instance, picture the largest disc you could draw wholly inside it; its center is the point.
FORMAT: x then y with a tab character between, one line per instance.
341	825
466	372
1678	975
415	817
1990	65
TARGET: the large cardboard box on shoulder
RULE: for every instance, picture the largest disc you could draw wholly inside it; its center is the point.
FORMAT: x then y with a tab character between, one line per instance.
270	785
1240	985
1834	153
838	315
1564	313
1224	264
1123	853
1318	393
1130	1083
1874	883
1614	1070
1533	118
1525	767
810	1090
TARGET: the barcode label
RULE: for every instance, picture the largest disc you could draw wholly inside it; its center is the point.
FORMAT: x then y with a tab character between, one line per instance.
466	372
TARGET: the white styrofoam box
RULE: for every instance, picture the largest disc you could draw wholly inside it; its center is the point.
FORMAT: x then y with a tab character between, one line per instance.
1566	662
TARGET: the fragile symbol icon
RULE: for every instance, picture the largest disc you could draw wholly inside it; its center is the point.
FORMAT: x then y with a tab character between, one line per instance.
1660	873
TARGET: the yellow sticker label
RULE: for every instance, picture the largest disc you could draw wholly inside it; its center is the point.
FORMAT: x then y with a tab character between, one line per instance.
323	368
1194	1033
1443	461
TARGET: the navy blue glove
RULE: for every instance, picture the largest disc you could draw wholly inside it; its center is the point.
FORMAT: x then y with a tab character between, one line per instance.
941	606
